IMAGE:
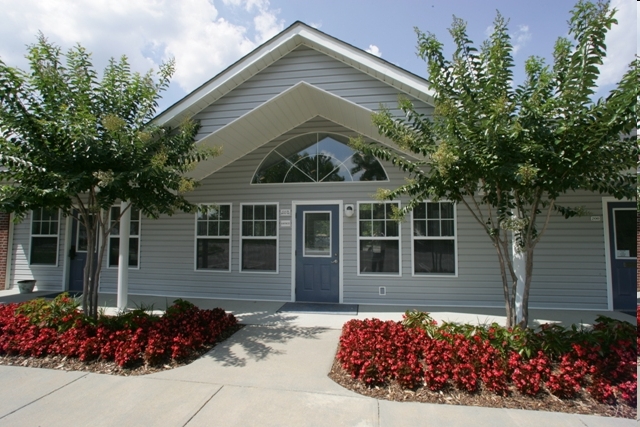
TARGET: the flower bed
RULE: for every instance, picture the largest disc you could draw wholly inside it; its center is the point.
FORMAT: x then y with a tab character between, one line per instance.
417	352
40	328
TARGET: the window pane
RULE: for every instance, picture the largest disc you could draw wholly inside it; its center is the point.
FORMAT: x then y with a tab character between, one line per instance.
133	252
247	228
378	228
625	225
365	211
272	228
202	228
134	227
225	213
259	255
135	214
44	250
433	228
247	212
35	227
271	212
392	229
44	228
433	210
434	256
258	211
420	211
258	228
378	211
53	227
224	228
317	234
366	228
213	213
212	254
82	237
114	251
419	228
389	209
213	228
379	256
447	227
446	210
37	214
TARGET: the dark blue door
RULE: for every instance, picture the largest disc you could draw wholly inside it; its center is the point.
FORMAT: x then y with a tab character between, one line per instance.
317	253
623	254
77	255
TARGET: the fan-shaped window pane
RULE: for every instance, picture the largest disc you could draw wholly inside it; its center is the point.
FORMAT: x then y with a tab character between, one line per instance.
318	157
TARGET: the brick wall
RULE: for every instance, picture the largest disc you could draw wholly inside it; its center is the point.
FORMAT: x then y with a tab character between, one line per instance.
4	246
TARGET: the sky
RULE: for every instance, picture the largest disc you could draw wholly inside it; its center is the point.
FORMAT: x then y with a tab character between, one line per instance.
206	36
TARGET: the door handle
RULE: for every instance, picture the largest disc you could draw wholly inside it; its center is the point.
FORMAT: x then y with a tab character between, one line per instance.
335	261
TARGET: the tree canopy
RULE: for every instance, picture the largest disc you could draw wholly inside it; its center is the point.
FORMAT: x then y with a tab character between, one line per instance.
508	152
77	142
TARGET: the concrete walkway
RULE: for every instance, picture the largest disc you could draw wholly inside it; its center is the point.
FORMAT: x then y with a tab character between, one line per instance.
273	372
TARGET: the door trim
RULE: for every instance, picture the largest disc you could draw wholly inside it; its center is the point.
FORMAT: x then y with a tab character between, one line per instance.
294	228
607	246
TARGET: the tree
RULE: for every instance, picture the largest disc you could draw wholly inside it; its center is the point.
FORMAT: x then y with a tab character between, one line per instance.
508	152
72	142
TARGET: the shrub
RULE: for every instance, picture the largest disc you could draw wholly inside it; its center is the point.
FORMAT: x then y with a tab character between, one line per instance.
40	327
562	361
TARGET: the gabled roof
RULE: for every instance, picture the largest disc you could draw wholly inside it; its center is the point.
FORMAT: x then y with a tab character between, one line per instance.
282	44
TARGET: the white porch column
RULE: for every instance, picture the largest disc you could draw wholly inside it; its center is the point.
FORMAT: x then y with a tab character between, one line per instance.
519	265
123	256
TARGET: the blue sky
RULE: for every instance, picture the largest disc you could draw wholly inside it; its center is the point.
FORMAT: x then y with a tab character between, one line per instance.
207	36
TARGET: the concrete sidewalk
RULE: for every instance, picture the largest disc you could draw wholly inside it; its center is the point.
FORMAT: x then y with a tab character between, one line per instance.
273	372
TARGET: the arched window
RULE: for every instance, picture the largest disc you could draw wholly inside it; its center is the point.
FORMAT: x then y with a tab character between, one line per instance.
318	157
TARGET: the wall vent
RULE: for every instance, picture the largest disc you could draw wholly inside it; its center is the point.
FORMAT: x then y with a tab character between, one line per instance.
382	290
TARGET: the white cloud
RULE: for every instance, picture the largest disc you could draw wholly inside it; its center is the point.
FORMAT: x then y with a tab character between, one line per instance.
621	43
373	49
316	25
520	38
146	31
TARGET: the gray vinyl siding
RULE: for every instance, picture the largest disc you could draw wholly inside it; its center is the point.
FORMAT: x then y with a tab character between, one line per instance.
47	277
308	65
567	275
569	262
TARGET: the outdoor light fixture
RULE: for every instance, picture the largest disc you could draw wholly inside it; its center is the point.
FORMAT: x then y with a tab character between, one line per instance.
348	211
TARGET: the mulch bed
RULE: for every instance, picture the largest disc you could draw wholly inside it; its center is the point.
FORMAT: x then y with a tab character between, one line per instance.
111	368
584	404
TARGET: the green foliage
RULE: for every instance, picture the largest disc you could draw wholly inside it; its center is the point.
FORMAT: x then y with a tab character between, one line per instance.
60	313
71	140
507	152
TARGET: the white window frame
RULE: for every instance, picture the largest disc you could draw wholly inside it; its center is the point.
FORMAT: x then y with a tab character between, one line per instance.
276	238
398	238
131	236
454	238
57	236
228	237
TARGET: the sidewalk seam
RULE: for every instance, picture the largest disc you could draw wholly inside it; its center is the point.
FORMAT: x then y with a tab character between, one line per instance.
43	396
203	405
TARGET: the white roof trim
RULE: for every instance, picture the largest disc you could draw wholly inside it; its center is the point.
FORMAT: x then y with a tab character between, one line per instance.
282	113
276	48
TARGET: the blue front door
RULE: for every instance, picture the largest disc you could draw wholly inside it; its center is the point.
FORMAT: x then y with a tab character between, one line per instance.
623	254
317	253
78	255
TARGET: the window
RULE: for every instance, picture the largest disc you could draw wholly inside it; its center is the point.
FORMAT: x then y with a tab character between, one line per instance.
259	238
213	238
44	237
434	244
134	238
318	157
378	239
